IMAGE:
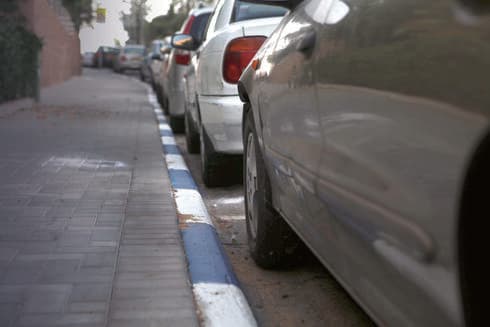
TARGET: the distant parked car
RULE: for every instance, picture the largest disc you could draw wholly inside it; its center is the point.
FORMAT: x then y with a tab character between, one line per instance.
104	56
130	57
160	74
88	59
178	61
145	74
367	132
153	61
213	109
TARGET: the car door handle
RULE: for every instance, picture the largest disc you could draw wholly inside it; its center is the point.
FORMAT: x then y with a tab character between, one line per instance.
307	42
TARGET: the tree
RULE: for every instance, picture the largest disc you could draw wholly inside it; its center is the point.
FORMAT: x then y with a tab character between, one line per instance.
80	11
164	25
19	48
134	21
185	6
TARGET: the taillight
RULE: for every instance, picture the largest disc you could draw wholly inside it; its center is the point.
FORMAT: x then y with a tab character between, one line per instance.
123	58
238	55
182	57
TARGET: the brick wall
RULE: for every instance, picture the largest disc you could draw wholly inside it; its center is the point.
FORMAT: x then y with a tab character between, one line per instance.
60	57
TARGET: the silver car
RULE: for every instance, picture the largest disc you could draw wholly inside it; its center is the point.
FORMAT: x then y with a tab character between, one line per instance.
366	132
178	62
130	57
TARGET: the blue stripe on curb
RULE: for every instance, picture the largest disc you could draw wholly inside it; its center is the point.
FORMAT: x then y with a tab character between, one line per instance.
181	179
205	254
166	133
170	149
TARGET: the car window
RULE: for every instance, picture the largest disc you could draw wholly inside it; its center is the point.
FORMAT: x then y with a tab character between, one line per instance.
199	26
225	14
214	17
245	11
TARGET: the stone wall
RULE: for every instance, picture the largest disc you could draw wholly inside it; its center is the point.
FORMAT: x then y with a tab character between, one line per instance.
60	57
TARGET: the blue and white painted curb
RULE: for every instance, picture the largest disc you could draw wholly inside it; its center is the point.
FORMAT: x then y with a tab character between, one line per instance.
219	298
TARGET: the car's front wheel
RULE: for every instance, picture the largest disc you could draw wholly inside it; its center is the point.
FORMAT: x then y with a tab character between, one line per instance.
272	243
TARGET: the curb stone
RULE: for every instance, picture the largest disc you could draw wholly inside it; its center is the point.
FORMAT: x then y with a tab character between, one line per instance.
217	292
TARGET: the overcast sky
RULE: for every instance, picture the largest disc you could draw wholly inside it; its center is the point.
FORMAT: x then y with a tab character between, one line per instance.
104	34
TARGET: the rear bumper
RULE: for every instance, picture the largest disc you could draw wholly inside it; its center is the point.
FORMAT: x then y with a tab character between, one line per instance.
131	65
221	118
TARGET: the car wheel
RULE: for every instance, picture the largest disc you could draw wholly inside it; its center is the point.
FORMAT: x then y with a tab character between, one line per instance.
165	105
177	124
218	169
272	243
210	163
191	135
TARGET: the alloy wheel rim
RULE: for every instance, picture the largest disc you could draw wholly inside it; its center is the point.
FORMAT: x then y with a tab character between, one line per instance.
251	183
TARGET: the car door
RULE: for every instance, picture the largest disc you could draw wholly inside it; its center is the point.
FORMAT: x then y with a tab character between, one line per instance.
289	118
400	84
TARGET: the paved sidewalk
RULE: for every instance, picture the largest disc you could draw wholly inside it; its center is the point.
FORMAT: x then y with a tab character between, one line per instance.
88	230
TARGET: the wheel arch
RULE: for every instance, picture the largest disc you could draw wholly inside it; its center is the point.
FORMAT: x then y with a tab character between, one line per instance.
471	234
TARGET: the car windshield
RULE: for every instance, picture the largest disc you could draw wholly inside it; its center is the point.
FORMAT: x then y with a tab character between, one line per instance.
134	50
246	11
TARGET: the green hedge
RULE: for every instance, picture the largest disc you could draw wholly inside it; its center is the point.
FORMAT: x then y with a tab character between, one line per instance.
19	50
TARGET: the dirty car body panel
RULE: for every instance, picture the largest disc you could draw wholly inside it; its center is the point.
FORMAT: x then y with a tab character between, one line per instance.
367	133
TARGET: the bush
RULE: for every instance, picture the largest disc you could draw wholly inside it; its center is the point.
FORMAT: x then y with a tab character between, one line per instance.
19	50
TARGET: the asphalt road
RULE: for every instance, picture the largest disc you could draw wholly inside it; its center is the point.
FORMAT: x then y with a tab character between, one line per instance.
306	295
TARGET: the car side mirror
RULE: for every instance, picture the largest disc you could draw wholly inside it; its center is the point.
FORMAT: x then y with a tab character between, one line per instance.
184	42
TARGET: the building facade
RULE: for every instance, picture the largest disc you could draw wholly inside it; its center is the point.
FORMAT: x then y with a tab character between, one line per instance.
60	56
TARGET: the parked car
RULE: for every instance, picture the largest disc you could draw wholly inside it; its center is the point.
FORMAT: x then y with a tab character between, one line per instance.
152	62
366	132
213	108
160	73
88	59
130	57
104	56
178	61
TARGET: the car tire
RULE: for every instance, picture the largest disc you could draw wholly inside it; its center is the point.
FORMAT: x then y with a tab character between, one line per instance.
191	135
160	99
165	106
272	242
211	164
218	169
177	124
